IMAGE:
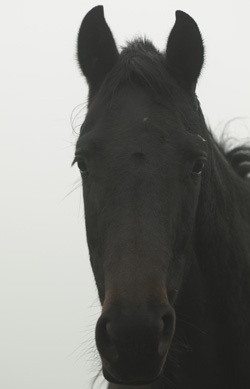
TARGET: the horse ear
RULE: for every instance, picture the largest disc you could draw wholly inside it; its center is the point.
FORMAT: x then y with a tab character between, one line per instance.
96	49
185	51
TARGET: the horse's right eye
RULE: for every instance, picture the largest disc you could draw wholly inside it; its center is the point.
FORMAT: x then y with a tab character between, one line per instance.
82	166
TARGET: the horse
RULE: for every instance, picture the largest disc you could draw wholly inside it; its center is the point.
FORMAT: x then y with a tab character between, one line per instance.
167	212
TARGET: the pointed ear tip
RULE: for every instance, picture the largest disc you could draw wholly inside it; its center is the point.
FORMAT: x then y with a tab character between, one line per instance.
99	8
93	17
96	11
179	13
184	16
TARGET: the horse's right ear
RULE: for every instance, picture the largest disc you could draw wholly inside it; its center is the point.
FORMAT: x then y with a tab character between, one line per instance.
96	49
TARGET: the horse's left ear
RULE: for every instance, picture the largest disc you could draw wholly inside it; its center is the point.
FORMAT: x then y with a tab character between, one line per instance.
185	51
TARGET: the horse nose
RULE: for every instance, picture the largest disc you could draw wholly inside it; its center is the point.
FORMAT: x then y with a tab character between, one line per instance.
134	345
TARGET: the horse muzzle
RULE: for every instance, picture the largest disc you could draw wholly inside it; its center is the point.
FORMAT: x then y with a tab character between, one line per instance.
133	343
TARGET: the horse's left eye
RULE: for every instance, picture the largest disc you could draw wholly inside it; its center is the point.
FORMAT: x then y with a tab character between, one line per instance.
198	167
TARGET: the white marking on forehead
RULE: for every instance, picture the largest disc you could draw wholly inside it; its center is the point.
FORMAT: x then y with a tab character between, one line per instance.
145	119
203	140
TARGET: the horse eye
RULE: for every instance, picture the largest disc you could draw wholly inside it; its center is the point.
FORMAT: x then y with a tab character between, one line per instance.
198	167
82	166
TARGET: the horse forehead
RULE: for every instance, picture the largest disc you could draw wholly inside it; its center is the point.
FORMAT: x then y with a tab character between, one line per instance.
136	104
142	135
132	118
138	123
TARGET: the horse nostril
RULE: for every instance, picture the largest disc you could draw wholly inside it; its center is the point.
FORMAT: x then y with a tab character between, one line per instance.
167	332
104	340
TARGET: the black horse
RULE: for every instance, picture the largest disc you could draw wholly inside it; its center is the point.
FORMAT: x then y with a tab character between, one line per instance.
167	216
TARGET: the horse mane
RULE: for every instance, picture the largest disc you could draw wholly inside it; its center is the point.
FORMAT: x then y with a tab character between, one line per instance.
141	64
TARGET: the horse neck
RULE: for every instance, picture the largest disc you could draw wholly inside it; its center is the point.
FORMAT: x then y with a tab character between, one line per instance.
223	254
223	233
213	307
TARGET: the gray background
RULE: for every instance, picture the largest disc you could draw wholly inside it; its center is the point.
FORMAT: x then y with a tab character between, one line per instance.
48	300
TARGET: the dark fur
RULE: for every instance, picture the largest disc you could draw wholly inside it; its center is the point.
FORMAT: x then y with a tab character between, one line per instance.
120	156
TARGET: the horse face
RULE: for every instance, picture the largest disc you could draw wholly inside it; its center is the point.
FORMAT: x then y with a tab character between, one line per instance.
141	175
141	169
